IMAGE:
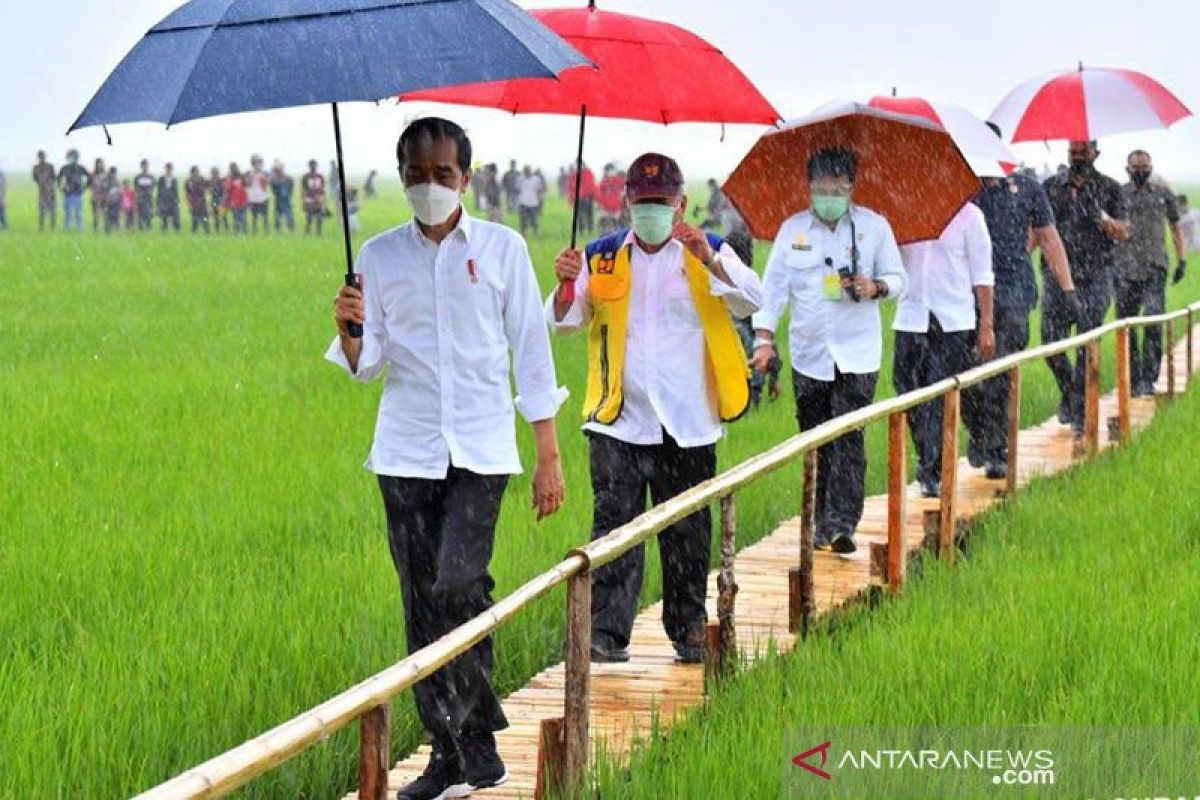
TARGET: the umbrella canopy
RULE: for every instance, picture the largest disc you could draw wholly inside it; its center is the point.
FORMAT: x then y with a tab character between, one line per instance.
647	70
1086	103
909	170
985	151
212	57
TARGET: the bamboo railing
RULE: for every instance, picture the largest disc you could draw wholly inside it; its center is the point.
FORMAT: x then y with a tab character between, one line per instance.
564	741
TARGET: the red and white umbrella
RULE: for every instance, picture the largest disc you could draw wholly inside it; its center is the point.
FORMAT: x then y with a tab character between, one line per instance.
985	152
1086	103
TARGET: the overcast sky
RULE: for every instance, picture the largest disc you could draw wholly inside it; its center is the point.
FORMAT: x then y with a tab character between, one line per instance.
800	53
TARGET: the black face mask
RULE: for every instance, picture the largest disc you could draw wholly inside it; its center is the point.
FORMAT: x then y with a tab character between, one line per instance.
1140	176
1081	166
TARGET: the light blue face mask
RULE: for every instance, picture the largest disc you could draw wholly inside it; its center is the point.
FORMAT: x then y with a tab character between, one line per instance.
652	222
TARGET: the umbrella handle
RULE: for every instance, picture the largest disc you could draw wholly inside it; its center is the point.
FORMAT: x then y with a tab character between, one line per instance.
353	329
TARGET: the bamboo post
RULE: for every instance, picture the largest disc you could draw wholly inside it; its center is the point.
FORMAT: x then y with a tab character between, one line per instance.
1014	429
800	579
1123	384
374	755
897	492
1190	336
1170	359
727	587
949	499
551	755
1091	411
808	497
576	695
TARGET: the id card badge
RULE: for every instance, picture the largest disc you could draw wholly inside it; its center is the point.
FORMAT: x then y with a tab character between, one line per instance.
831	286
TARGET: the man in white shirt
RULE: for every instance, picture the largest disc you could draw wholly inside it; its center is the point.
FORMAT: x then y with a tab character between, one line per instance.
445	301
258	193
832	263
665	369
529	200
936	326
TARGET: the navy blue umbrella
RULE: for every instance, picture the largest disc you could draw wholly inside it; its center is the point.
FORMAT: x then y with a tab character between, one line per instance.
213	57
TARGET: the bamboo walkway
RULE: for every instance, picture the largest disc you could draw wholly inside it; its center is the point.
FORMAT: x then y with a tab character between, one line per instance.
627	698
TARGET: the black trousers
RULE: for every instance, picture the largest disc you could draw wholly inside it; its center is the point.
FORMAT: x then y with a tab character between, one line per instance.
1057	322
621	474
841	464
920	359
1136	297
441	534
985	405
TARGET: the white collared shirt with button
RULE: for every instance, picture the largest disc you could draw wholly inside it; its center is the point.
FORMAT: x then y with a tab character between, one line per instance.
443	318
664	375
825	333
943	274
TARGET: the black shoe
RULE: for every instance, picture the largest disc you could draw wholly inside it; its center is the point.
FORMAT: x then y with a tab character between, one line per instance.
975	457
996	470
442	779
931	488
844	543
604	655
686	653
482	766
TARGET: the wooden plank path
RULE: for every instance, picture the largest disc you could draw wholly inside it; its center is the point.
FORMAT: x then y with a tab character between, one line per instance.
627	698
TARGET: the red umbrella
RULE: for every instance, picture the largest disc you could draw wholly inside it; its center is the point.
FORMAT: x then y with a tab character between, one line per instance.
646	70
1086	103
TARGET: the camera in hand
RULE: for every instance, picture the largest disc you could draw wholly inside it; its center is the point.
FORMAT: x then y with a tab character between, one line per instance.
846	274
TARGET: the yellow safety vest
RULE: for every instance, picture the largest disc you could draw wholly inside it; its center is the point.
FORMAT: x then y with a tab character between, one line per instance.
609	280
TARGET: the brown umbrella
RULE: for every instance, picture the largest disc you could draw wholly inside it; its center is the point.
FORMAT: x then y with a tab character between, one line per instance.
909	170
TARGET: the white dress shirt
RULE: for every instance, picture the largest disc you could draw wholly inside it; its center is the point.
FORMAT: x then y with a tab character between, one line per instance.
665	374
943	274
444	318
826	333
529	191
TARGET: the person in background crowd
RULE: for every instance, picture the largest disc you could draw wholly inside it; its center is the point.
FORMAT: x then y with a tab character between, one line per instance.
743	246
128	204
282	186
609	196
528	200
46	178
665	369
542	189
1091	215
73	179
508	184
220	202
99	188
334	196
352	208
196	189
369	185
478	176
258	194
832	263
450	308
1017	211
562	182
235	197
3	200
113	204
143	186
495	211
586	199
313	184
1142	266
1189	224
713	208
943	319
168	198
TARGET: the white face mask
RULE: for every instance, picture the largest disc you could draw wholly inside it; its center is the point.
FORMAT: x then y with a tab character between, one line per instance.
432	203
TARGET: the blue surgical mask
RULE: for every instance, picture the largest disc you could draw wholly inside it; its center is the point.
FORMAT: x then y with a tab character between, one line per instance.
652	222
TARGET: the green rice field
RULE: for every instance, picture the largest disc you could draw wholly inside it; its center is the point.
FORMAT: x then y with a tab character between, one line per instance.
191	552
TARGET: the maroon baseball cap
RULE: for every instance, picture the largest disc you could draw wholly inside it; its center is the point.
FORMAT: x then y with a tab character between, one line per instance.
653	175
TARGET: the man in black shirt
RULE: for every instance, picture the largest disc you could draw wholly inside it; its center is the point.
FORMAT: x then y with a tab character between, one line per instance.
1091	216
46	178
1018	214
168	198
143	188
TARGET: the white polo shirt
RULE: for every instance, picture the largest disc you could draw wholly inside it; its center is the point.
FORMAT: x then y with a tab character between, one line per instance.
943	274
442	319
825	333
664	383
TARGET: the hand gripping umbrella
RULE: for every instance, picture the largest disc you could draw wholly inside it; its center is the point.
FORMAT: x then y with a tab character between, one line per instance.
645	70
213	57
